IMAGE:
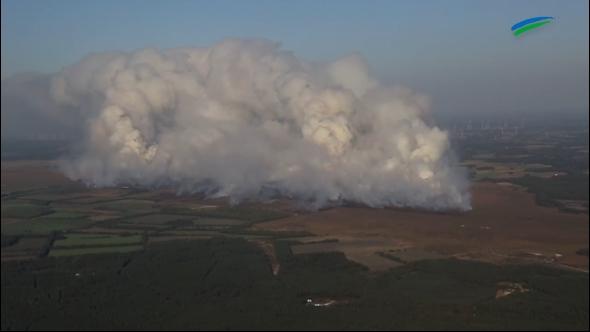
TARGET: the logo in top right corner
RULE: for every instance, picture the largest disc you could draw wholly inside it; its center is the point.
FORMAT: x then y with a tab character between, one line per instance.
530	24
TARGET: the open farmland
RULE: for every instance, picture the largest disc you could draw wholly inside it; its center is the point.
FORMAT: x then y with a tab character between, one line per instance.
43	226
59	252
504	223
155	219
21	210
519	253
72	220
90	240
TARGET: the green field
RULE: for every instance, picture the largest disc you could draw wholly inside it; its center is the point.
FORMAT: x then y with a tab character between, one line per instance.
92	240
15	209
127	206
42	226
49	197
154	219
135	227
65	214
95	250
204	221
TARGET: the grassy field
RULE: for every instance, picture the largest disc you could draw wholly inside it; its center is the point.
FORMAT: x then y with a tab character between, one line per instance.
42	226
96	240
411	255
12	209
155	219
65	214
94	250
204	221
127	205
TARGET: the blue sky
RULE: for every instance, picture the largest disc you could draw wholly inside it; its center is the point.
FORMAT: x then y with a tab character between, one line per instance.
462	53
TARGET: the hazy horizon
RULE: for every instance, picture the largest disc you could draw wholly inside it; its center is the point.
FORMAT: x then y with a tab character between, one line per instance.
460	53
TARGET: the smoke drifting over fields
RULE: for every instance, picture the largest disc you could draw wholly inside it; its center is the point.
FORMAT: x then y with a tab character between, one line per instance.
244	119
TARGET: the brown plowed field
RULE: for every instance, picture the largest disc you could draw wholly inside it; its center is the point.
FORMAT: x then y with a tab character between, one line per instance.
505	225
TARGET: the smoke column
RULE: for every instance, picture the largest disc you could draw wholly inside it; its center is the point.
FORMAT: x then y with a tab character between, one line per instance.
245	118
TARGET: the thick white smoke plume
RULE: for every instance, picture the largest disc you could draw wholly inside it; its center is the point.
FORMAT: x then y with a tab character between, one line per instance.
244	119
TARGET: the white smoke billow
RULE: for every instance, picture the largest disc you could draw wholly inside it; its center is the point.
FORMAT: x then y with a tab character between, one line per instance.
244	118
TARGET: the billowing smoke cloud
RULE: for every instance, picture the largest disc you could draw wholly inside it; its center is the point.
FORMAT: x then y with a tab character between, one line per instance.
244	119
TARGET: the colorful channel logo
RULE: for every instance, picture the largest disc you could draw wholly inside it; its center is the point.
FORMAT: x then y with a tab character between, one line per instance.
530	24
